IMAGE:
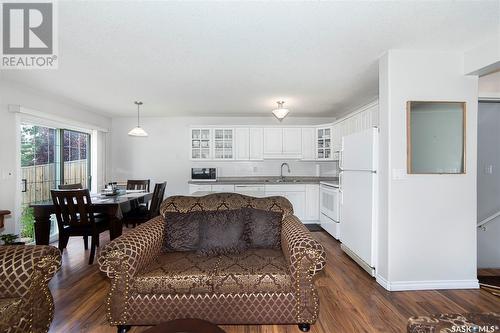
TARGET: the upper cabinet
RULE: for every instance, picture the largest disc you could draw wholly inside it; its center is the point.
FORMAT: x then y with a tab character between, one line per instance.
201	143
324	143
309	143
223	143
242	143
283	142
256	143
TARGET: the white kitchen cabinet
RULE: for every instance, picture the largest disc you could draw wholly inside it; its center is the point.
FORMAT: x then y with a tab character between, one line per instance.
249	189
336	140
256	147
312	202
292	142
201	143
198	188
223	143
308	143
283	142
324	143
295	193
241	143
298	200
273	142
222	188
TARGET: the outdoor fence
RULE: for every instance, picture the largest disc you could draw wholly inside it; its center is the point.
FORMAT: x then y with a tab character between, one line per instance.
40	179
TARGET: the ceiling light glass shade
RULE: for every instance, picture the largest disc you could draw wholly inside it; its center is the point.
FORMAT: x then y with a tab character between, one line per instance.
137	131
280	113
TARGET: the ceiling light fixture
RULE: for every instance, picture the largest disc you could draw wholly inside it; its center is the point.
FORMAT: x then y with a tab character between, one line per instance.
280	112
138	131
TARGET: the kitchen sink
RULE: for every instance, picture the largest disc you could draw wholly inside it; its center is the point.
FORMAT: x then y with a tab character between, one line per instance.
282	180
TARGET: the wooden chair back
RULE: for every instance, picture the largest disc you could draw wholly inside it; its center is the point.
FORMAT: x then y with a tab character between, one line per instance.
157	199
73	207
76	186
136	184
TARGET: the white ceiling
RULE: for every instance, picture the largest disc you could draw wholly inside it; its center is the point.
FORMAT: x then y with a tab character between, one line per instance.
238	58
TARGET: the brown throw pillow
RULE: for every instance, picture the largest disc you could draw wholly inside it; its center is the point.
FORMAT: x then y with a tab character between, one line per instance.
182	231
223	232
264	228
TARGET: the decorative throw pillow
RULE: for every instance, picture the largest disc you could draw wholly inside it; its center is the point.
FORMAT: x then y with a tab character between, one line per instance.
223	232
182	231
264	228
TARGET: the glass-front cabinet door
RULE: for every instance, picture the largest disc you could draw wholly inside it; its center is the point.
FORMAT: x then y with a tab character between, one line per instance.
223	144
201	144
324	143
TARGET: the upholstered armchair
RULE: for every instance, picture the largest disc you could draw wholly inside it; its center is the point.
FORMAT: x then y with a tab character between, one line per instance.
260	286
26	304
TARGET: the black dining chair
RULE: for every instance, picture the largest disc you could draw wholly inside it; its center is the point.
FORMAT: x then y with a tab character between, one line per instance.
73	210
76	186
142	213
136	184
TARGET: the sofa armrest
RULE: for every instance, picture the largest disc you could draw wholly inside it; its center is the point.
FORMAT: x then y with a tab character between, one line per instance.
306	257
124	257
25	274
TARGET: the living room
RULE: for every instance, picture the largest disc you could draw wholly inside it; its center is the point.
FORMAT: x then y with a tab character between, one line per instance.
249	166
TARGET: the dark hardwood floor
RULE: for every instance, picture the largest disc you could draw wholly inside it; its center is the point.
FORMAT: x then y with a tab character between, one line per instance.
351	301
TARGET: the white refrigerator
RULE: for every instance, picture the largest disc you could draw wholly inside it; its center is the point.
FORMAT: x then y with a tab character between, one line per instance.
358	182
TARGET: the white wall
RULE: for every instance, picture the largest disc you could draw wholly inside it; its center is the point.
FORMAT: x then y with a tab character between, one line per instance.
488	184
11	93
164	154
428	222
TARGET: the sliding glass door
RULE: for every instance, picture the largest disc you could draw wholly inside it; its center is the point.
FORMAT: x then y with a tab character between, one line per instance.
76	158
50	157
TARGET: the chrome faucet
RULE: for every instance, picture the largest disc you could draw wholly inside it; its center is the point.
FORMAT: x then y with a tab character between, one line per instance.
281	170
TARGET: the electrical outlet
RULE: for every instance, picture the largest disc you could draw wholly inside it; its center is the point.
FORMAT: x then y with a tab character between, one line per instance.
488	169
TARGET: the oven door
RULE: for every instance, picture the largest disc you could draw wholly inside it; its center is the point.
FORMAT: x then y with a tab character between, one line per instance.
329	202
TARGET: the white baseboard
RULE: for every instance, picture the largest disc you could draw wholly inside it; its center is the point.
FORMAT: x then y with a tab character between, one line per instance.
427	285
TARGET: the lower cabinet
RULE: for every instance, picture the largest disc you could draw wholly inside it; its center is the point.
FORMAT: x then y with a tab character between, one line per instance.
304	198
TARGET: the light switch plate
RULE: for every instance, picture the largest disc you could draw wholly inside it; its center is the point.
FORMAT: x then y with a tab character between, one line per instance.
398	174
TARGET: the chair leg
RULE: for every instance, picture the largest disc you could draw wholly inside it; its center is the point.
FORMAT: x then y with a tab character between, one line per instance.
86	242
92	249
63	242
123	328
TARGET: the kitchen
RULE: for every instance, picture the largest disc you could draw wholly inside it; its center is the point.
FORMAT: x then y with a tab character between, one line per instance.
316	190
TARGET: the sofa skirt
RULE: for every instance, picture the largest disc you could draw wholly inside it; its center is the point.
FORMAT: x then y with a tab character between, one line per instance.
244	308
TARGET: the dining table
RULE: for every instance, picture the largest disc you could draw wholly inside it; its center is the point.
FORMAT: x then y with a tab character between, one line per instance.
112	206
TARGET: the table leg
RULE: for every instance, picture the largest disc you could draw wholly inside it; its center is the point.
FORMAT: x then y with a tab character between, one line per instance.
115	227
42	227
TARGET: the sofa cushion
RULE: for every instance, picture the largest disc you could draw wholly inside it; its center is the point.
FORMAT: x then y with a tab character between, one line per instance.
177	273
255	270
264	228
223	232
182	231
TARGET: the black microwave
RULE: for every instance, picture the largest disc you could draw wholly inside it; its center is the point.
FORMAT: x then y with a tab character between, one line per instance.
204	174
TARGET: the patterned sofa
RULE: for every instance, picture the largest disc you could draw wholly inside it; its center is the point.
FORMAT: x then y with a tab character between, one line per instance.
259	286
26	304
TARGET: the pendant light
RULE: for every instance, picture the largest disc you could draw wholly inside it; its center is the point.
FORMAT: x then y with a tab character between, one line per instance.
280	112
138	131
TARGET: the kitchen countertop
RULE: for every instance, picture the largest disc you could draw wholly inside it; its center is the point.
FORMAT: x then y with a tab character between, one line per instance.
255	194
262	180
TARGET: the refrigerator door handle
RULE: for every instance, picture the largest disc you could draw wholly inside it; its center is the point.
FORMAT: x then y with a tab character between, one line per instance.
341	193
341	166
